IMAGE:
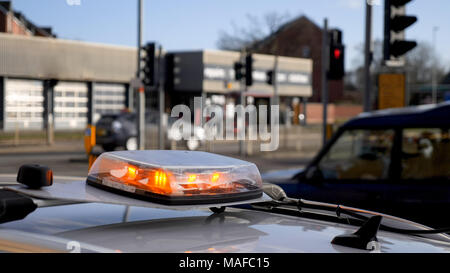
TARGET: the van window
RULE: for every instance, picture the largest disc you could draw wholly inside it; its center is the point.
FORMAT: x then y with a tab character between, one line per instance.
359	154
425	153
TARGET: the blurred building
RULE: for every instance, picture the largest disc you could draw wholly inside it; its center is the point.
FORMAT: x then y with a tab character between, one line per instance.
210	74
70	82
423	93
66	82
302	38
16	23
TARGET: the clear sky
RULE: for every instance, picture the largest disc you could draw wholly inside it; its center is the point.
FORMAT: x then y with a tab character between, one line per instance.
195	24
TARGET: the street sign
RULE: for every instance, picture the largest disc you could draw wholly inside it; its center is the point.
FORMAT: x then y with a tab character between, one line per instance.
391	90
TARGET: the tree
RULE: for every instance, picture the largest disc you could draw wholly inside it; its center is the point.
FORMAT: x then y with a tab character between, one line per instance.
419	63
355	78
256	30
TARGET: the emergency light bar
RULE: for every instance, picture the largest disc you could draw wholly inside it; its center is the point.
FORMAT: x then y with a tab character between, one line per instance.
176	177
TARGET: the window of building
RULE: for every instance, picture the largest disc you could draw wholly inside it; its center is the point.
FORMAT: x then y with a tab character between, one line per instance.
108	99
70	105
23	104
306	52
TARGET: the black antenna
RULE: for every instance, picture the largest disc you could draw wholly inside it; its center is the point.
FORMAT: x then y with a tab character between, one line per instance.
362	238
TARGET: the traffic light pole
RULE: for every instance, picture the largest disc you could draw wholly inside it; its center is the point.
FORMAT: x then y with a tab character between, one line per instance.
161	97
49	109
141	91
325	47
243	88
139	39
367	58
275	83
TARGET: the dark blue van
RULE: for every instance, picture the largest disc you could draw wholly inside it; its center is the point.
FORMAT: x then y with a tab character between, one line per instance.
394	161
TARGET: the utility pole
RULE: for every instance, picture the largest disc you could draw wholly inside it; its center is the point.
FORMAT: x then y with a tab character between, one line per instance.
325	59
367	58
243	88
141	90
433	69
49	109
160	82
139	39
276	100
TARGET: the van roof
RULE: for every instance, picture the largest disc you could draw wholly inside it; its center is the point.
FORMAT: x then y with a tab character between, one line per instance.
431	115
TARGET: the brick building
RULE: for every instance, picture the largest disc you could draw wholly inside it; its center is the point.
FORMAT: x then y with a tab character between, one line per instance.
16	23
302	38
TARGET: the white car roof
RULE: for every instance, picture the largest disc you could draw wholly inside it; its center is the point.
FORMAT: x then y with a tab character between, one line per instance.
138	229
113	227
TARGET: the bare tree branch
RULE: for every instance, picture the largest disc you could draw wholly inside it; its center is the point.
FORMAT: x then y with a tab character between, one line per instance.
419	62
256	30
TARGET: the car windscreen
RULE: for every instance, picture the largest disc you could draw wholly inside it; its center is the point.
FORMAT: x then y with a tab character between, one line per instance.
107	119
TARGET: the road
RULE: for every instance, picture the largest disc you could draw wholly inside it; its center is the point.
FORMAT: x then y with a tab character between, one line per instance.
67	158
62	163
74	163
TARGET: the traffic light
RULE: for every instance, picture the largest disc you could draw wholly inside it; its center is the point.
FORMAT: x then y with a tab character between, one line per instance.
269	77
239	74
238	71
336	69
169	75
248	70
148	68
395	23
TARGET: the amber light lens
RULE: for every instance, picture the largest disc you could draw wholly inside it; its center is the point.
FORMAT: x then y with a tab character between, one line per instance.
215	177
159	181
152	180
176	182
156	181
176	177
132	172
192	177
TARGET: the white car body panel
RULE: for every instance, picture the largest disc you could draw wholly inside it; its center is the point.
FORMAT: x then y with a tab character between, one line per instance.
141	229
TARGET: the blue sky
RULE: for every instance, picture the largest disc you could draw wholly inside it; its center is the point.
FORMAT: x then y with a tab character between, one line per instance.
195	24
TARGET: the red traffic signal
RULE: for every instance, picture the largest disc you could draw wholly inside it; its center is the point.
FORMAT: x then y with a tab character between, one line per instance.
336	69
337	53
